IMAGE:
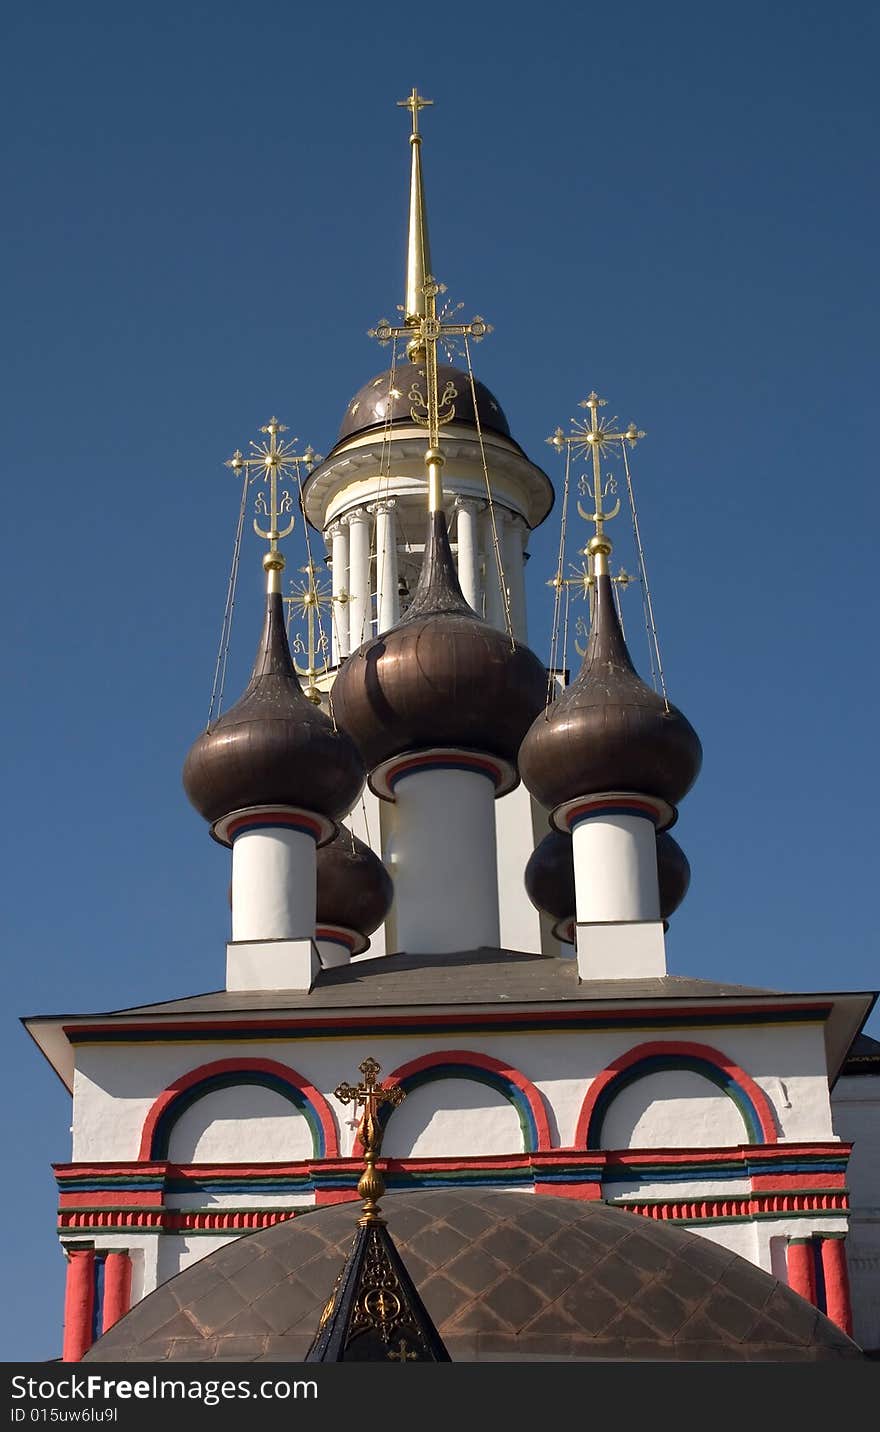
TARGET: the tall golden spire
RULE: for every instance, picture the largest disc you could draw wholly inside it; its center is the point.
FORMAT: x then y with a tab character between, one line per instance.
418	249
423	329
279	463
593	439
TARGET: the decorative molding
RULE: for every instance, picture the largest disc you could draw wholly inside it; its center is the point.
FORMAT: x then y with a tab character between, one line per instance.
309	1025
784	1181
222	1073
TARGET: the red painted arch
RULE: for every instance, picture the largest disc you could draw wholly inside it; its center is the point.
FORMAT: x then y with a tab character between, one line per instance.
206	1073
523	1091
602	1085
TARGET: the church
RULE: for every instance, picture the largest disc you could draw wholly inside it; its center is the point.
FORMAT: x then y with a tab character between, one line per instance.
454	863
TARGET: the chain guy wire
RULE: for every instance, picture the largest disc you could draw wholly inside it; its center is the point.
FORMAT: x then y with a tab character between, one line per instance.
226	629
643	573
505	598
559	584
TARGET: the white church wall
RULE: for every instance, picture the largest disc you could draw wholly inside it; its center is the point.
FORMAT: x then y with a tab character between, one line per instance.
457	1115
515	816
115	1088
238	1125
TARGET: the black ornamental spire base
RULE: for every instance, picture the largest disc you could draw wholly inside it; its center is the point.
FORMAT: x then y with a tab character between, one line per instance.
374	1313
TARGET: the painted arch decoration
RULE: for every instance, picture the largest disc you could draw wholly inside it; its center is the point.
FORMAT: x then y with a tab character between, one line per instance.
519	1091
224	1074
754	1107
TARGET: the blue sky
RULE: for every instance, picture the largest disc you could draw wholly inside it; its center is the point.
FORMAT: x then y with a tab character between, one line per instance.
205	210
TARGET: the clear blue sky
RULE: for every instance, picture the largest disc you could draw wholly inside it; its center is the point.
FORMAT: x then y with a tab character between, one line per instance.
204	212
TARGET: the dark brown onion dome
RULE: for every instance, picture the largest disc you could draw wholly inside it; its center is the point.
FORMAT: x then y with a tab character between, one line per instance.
673	873
369	408
608	731
354	888
549	876
440	677
273	747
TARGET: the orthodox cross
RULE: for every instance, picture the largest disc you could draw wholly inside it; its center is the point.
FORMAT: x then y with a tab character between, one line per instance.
370	1096
277	460
307	598
594	438
414	103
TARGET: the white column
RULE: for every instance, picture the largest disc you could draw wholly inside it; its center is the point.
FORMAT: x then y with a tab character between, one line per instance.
338	535
360	606
615	868
467	538
442	859
273	885
495	609
387	601
619	930
514	570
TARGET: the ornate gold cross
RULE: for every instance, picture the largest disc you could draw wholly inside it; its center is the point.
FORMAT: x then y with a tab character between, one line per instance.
594	438
370	1096
277	461
307	598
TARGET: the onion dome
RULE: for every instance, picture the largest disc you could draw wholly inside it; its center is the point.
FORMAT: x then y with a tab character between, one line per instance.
549	881
440	677
609	731
386	399
673	873
354	888
273	747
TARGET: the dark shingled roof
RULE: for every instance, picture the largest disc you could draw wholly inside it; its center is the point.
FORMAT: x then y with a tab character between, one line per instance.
505	1276
481	976
863	1057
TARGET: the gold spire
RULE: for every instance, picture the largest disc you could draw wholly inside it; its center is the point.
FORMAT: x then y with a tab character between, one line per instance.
423	329
370	1096
594	438
418	249
278	462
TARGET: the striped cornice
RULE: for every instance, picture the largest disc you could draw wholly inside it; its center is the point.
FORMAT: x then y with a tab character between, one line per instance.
781	1180
541	1019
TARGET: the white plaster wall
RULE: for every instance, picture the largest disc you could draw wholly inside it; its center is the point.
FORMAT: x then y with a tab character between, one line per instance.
115	1086
176	1252
855	1105
673	1110
520	922
364	821
242	1124
457	1115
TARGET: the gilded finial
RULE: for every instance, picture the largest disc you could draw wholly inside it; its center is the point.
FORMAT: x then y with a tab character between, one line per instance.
593	436
370	1096
423	329
418	249
276	462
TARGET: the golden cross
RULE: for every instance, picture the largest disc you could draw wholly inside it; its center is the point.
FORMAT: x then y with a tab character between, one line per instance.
309	596
403	1354
594	438
414	103
433	410
370	1096
278	461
